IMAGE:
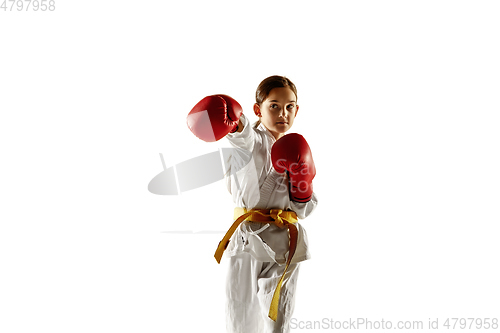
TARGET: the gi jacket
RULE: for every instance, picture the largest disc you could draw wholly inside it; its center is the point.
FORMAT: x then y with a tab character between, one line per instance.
258	185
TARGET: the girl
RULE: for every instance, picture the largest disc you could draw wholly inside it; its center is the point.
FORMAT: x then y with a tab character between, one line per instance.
271	192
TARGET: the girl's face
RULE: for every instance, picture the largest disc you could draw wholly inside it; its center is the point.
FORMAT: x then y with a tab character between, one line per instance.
278	111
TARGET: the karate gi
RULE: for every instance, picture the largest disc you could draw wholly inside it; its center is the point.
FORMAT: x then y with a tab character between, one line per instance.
257	252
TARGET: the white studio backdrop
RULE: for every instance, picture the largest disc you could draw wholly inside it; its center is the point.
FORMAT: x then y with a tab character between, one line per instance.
398	101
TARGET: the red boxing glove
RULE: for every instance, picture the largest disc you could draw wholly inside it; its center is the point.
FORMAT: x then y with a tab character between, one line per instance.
292	153
214	117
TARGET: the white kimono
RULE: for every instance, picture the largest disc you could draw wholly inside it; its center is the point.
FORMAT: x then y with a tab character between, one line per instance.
259	251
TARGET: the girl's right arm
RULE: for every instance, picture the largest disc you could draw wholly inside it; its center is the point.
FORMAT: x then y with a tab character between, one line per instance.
244	137
240	126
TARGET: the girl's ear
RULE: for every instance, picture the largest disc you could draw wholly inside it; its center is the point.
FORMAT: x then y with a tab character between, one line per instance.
256	109
296	110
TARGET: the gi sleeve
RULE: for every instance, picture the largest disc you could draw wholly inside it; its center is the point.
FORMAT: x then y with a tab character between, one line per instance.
304	209
241	176
244	139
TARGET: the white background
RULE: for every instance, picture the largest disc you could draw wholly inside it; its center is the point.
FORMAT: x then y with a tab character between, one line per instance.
399	101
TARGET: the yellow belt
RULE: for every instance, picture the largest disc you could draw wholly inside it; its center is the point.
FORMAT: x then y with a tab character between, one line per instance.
282	218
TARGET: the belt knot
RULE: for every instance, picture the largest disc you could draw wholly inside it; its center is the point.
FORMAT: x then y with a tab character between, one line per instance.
275	214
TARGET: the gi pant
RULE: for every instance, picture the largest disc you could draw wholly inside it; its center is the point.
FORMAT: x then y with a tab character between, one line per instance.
250	287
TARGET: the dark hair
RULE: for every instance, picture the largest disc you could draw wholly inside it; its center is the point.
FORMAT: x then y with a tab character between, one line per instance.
269	84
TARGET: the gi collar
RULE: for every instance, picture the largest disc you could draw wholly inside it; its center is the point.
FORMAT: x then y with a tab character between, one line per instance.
263	128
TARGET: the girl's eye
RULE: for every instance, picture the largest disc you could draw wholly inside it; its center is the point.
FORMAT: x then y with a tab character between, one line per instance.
290	106
273	106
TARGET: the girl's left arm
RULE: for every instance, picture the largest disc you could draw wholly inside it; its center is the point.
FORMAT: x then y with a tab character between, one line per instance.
304	209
